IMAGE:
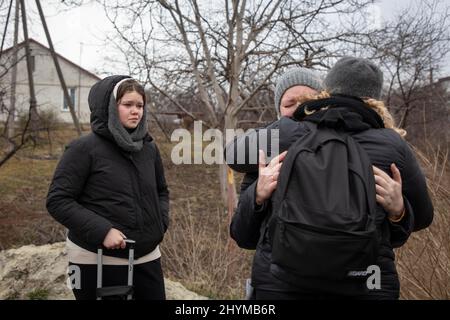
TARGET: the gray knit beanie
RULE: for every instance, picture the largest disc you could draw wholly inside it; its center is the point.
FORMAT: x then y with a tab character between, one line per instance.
355	77
296	77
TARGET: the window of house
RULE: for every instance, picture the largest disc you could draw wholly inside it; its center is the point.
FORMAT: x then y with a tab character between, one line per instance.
72	98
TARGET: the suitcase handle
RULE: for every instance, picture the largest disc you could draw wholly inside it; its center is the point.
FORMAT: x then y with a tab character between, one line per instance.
130	244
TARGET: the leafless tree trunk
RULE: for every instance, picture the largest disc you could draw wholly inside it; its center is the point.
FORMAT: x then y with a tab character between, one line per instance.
8	64
58	70
10	123
34	117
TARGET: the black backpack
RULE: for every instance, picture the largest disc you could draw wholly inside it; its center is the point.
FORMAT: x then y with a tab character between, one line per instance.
322	228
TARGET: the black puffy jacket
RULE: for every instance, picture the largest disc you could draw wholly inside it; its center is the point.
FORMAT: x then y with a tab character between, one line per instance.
98	186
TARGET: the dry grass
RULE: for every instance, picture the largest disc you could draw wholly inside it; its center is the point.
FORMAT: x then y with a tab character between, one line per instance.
198	253
24	182
197	250
424	261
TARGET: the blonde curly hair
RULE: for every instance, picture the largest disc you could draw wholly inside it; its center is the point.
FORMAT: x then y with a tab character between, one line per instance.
374	104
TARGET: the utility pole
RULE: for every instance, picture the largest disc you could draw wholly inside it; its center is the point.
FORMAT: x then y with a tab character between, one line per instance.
79	82
12	105
33	115
431	72
58	69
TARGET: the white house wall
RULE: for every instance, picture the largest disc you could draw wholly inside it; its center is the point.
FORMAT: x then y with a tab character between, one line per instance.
49	94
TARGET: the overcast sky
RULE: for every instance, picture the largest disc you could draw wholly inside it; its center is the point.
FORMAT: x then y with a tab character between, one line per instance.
78	34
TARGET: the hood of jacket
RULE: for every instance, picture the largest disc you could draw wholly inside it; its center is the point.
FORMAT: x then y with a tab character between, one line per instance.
98	99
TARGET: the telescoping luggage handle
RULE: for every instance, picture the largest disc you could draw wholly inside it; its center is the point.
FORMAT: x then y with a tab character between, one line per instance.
117	290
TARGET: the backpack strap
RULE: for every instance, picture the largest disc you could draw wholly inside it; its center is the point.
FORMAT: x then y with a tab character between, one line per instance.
367	176
285	173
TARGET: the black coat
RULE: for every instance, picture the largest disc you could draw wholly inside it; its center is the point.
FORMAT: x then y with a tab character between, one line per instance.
384	147
98	186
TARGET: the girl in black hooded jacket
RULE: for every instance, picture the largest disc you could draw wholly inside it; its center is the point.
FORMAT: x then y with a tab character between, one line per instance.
109	186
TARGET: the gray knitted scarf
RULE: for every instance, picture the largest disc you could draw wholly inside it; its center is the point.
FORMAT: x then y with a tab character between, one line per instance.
130	142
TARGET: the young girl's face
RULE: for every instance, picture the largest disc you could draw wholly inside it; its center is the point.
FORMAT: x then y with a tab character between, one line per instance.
131	109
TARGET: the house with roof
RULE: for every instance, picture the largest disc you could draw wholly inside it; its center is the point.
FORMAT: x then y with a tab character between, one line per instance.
49	94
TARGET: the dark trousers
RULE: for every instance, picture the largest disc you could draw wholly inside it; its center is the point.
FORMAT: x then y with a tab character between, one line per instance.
148	280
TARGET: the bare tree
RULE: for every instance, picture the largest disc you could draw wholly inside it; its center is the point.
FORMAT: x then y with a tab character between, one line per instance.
412	47
8	71
8	66
226	50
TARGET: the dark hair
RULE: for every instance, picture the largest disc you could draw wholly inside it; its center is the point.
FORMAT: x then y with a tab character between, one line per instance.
129	86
